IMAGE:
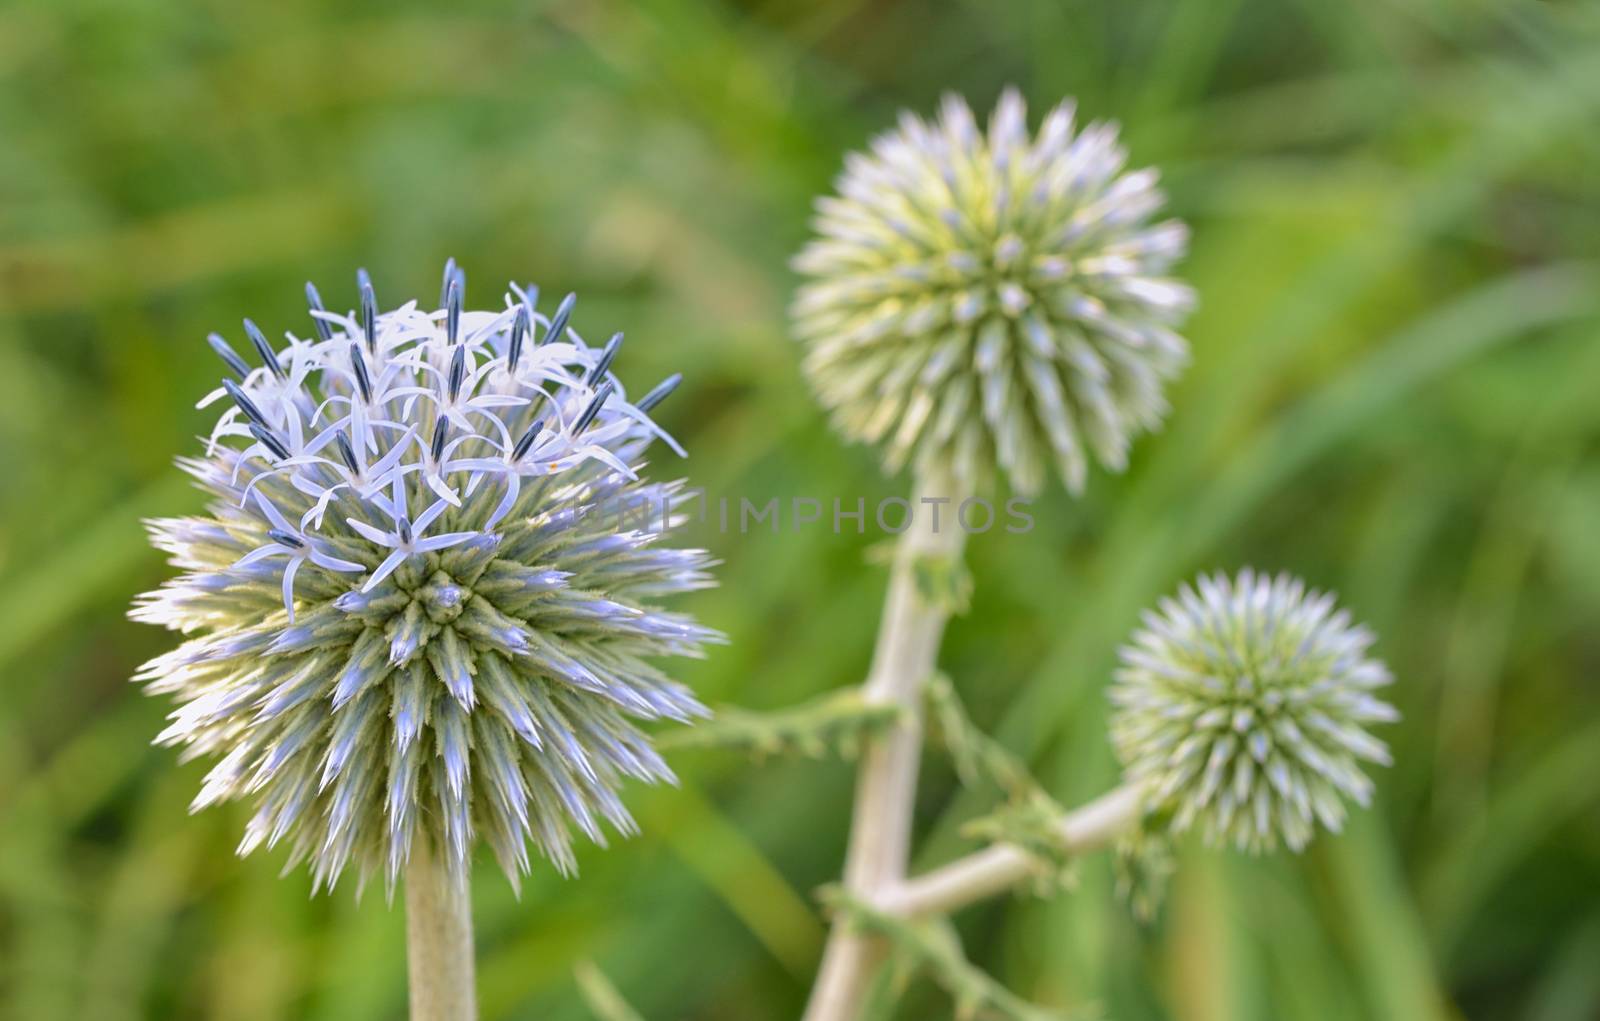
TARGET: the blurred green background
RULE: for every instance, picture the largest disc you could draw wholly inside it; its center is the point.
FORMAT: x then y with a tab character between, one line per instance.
1395	393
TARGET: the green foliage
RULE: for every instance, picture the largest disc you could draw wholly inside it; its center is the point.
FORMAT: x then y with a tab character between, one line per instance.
1033	826
1030	817
1391	395
835	722
932	948
603	998
944	582
1144	863
978	758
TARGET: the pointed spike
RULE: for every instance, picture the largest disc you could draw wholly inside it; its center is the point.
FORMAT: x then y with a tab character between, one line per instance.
444	287
269	358
359	364
593	409
324	330
269	441
458	371
526	443
441	429
229	356
452	315
661	392
245	404
607	356
347	453
558	325
369	309
519	334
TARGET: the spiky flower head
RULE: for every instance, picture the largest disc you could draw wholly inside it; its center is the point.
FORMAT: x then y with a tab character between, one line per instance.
423	600
979	299
1243	706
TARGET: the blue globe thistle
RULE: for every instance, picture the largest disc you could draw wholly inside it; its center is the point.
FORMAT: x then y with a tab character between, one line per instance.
423	602
993	299
1243	707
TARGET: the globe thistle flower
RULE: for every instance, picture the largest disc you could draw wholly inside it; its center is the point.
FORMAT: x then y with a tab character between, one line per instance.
1243	707
423	602
993	299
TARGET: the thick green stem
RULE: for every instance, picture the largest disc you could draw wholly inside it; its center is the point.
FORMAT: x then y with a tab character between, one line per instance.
886	784
438	939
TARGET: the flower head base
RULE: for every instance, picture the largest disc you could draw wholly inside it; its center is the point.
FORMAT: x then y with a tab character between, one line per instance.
1243	706
982	299
424	594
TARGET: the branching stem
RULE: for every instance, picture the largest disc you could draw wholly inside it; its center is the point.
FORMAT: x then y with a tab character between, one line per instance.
886	784
999	867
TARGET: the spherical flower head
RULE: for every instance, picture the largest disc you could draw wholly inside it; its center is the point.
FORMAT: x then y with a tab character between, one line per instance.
1243	705
423	602
979	300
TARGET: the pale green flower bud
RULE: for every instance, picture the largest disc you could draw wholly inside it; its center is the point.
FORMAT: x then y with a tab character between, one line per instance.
1243	705
980	299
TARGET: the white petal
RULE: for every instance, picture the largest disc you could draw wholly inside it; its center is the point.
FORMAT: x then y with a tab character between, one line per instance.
437	542
385	569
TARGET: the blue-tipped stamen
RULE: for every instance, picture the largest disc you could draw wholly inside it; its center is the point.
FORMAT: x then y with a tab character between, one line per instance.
519	335
458	372
245	404
324	331
452	313
558	325
369	309
271	442
347	453
600	398
607	355
278	535
441	429
661	392
526	443
359	364
269	357
444	286
229	356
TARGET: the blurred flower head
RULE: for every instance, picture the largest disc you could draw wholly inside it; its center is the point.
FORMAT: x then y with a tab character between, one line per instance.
980	299
1243	706
423	599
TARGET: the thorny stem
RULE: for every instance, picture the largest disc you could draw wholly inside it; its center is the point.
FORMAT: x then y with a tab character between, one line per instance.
886	784
1001	866
438	939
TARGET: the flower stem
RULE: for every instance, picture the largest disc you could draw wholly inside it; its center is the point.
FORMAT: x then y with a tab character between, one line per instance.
886	783
988	872
438	939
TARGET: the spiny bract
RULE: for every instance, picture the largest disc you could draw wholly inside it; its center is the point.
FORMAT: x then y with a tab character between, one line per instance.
425	590
1243	706
992	298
